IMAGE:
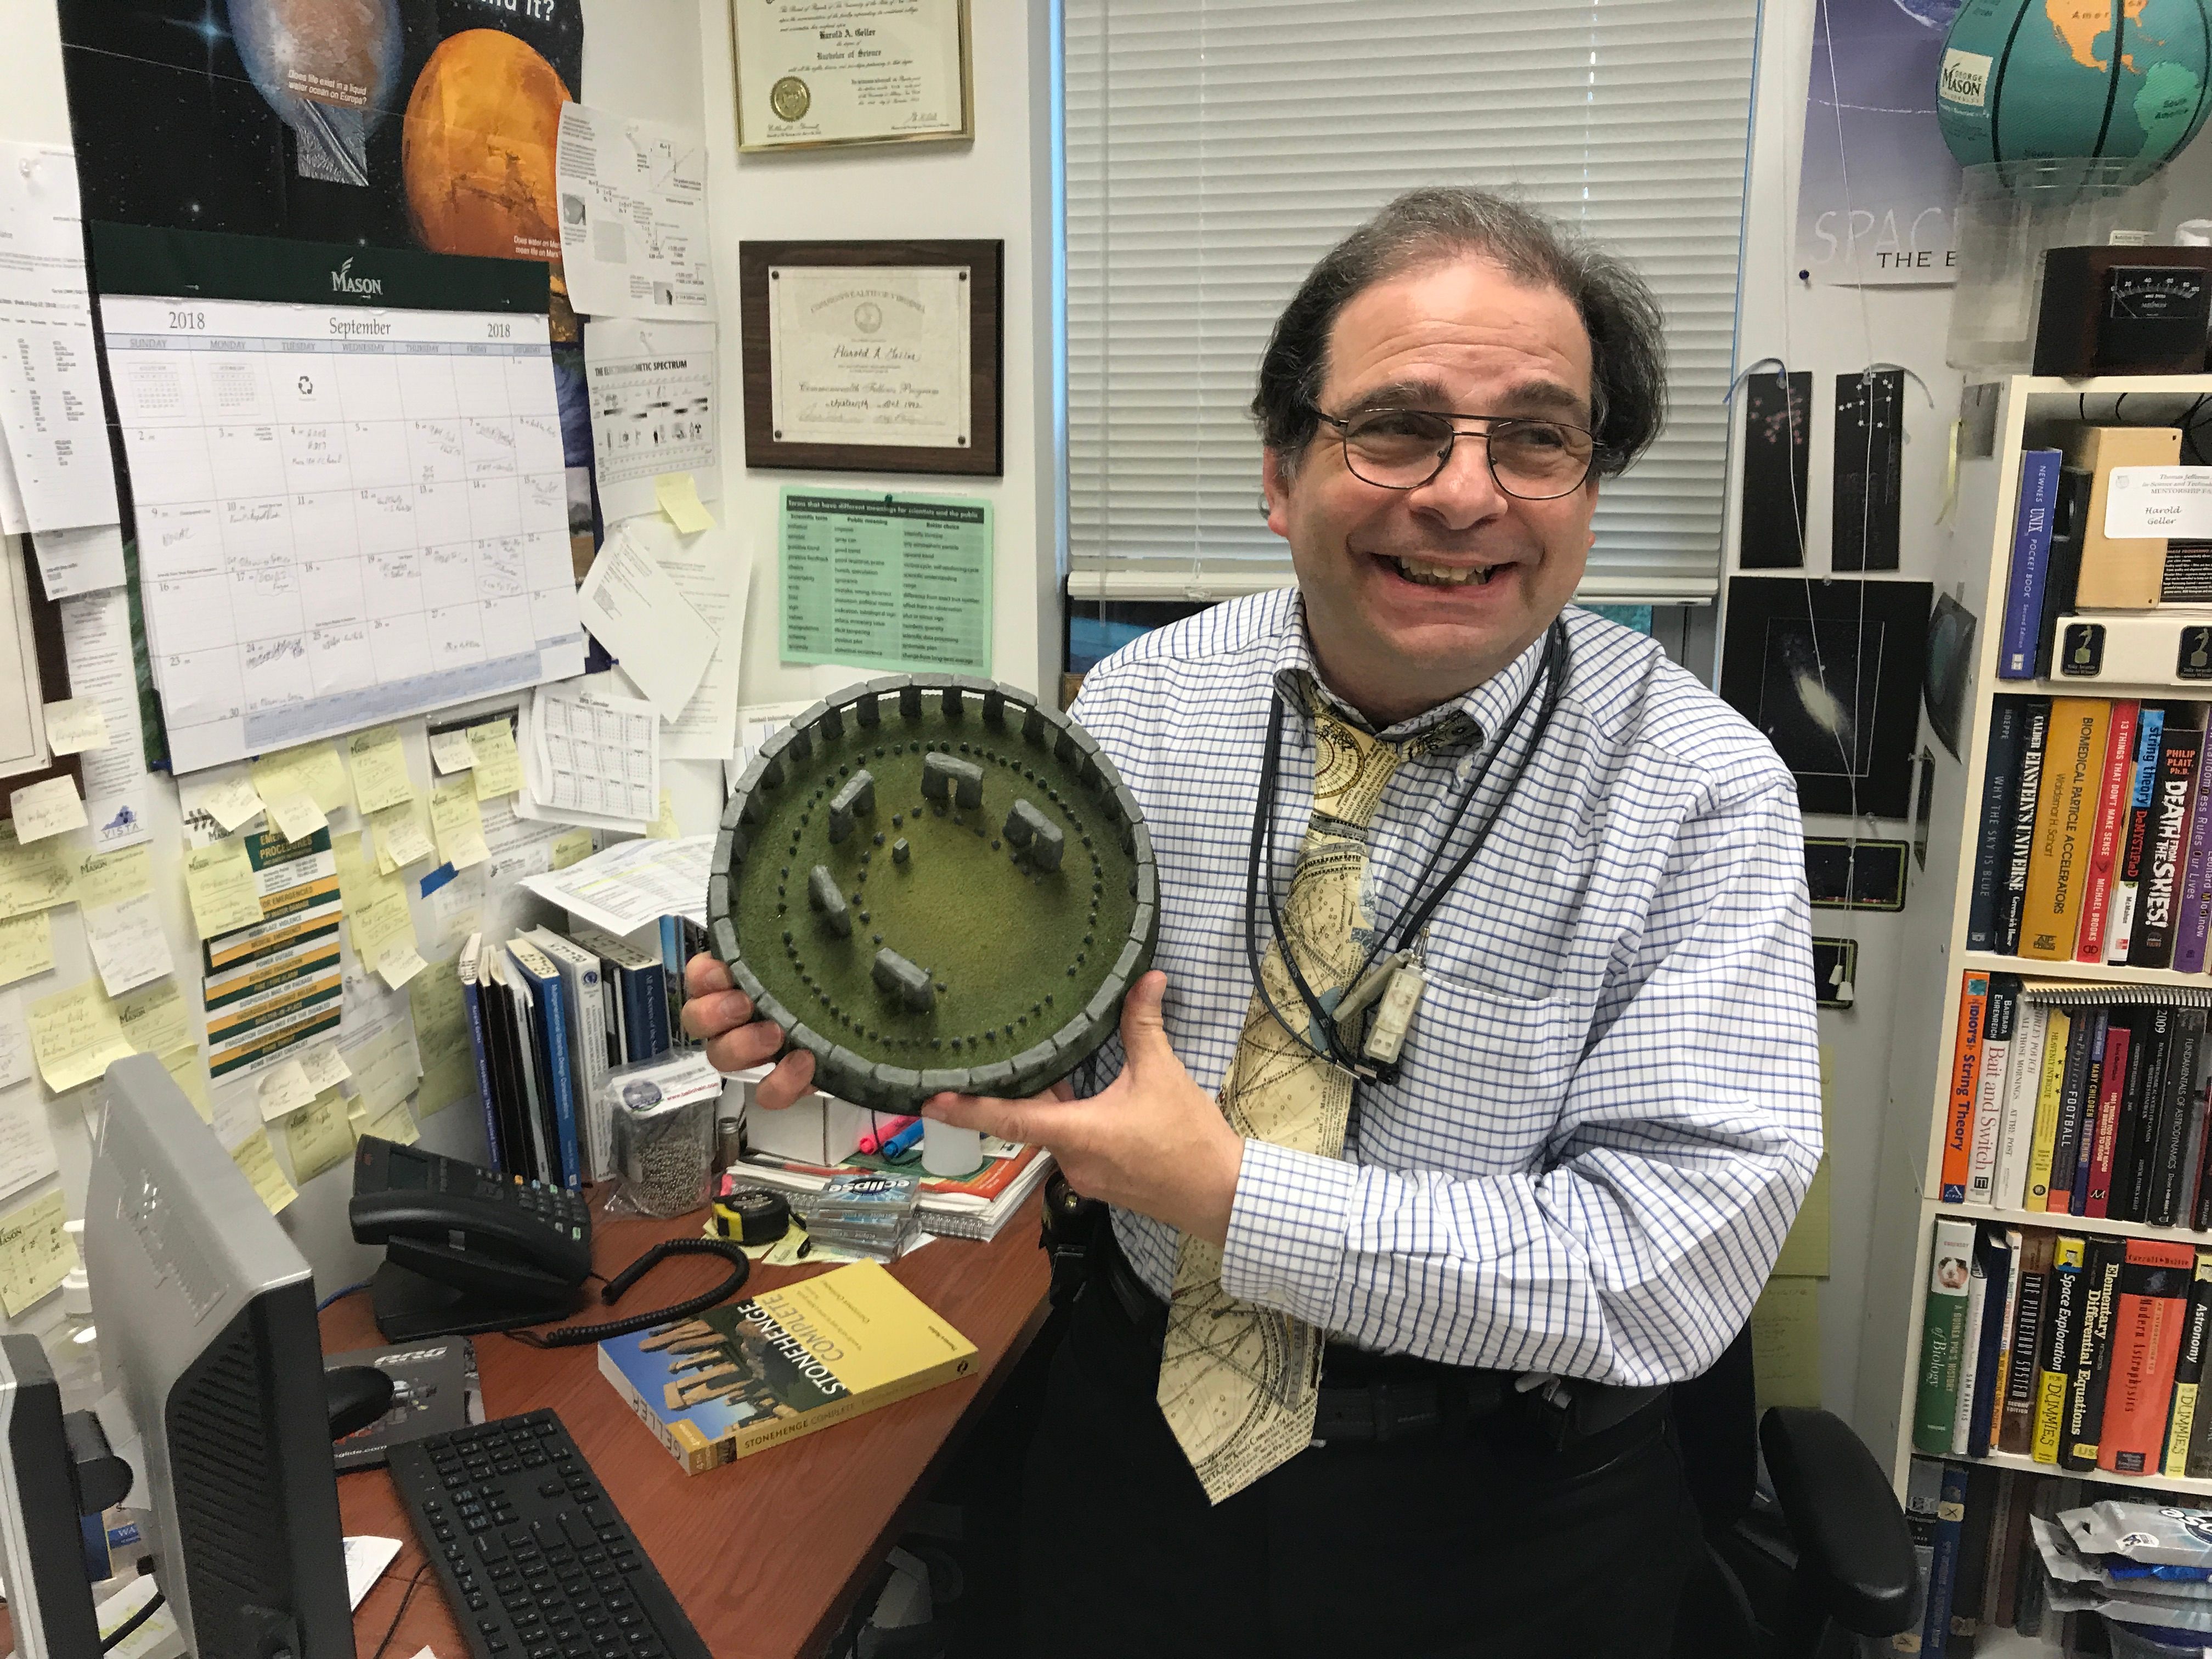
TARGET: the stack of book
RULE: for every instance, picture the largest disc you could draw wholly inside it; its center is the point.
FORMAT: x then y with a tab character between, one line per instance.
975	1207
550	1014
2093	847
2077	1099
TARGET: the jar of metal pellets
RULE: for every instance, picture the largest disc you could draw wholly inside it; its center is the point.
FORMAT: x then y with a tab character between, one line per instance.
664	1143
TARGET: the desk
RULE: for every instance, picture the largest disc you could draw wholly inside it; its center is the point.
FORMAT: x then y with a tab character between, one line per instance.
767	1554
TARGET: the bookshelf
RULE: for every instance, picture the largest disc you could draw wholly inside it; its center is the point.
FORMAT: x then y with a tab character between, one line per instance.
1973	565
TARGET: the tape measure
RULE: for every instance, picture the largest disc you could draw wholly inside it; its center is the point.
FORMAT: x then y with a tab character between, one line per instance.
751	1215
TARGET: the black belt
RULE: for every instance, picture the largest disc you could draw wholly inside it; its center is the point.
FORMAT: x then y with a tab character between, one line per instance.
1418	1397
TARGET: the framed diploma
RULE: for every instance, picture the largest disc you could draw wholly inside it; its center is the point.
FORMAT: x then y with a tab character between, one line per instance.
872	357
819	72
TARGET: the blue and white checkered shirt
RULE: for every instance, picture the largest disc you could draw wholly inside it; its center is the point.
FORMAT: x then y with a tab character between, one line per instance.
1608	1109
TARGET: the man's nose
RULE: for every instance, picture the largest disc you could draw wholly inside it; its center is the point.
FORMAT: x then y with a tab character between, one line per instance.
1464	493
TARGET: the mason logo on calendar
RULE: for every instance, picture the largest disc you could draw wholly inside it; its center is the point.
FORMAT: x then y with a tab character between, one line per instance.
343	281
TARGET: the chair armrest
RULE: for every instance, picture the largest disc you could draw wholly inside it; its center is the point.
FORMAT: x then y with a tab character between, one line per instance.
1854	1554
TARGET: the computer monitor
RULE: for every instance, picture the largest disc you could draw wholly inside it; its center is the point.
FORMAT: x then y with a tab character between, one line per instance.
206	1314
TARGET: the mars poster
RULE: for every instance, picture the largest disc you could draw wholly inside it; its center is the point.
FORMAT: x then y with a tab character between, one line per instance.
398	123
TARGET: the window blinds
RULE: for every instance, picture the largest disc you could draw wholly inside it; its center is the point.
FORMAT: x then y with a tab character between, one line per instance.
1215	148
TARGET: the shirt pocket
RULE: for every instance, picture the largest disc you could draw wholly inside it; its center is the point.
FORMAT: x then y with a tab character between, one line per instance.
1481	1080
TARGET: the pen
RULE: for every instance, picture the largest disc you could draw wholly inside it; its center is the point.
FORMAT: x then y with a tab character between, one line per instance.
898	1144
878	1133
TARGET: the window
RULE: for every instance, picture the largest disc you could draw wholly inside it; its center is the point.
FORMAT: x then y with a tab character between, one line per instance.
1215	148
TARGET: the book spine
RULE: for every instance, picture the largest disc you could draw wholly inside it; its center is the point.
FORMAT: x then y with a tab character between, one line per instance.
2000	793
2175	793
2126	1138
1969	1350
2146	1319
2031	553
1943	1335
2188	1372
2105	837
1943	1566
1986	1488
1966	1059
653	1000
2177	1095
2061	581
2042	1151
774	1431
2152	1035
2012	901
2016	1430
2200	1209
2109	1081
2066	1149
1998	1018
2093	1354
2023	1076
2065	815
2134	834
473	1003
551	993
1995	1256
2193	917
692	1459
2062	1324
2085	1149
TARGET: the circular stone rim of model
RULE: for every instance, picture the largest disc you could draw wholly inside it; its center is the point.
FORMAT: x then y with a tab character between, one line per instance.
849	1076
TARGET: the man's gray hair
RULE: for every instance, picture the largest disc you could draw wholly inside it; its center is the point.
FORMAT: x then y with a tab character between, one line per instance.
1426	227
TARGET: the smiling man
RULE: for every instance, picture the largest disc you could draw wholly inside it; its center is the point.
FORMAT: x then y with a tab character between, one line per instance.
1480	1081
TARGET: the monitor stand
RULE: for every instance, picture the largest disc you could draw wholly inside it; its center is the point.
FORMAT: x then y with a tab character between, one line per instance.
412	1307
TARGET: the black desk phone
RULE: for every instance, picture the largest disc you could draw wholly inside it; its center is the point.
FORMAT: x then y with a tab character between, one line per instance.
466	1250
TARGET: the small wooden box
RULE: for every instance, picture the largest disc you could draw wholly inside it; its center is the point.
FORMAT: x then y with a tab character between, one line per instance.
2123	311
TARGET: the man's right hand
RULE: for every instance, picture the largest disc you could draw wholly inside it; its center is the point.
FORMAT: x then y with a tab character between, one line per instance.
719	1015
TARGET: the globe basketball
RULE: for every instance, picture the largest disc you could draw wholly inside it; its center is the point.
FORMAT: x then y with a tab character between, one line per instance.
2120	80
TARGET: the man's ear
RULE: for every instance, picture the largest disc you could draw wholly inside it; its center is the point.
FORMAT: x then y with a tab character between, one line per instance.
1275	488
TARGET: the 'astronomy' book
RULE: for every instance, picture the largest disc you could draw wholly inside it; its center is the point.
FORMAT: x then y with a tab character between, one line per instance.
747	1374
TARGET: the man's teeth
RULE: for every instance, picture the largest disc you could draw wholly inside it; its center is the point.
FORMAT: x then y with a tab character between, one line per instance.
1443	575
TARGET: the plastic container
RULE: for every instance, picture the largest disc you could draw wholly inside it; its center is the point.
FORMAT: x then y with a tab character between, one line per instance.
2143	1642
663	1112
2010	215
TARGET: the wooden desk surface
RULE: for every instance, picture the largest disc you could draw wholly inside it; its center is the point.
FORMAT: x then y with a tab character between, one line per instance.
768	1554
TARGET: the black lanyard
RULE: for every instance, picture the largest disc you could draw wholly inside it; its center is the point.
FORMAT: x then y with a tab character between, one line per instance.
1553	675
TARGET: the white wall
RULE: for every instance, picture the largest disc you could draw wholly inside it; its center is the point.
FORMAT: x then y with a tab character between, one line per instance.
671	60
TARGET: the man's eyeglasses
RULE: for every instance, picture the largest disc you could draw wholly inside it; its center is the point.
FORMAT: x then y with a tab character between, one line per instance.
1535	460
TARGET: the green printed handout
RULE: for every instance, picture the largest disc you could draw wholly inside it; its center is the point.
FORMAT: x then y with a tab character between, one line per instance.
900	583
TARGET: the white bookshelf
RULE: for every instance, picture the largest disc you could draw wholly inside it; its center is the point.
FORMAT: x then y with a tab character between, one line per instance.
1974	569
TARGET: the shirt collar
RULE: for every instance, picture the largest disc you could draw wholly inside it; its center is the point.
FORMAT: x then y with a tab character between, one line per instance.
1488	705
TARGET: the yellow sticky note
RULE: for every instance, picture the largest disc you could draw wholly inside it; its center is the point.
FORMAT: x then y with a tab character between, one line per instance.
324	1067
380	770
458	822
52	807
360	884
320	1136
677	494
499	763
76	726
450	750
154	1019
105	879
399	964
185	1066
396	1124
572	848
258	1158
27	946
75	1036
313	769
1785	1343
226	894
295	815
284	1088
33	877
384	927
664	827
442	1039
34	1253
383	1067
401	834
232	798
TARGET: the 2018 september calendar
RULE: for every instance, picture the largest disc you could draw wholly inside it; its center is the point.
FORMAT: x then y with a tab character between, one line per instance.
348	509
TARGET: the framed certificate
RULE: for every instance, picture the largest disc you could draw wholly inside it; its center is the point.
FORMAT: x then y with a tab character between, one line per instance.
819	72
873	356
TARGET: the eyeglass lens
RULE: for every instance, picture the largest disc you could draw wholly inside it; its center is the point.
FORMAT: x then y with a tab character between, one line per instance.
1403	449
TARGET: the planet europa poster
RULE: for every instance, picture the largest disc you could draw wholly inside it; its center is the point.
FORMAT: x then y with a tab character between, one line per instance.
424	124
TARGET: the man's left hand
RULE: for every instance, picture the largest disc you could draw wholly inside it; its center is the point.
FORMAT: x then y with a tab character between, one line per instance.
1152	1140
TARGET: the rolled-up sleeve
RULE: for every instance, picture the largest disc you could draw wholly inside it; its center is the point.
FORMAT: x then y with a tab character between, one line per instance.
1688	1133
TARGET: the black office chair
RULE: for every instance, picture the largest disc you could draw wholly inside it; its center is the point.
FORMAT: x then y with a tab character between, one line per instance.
1800	1574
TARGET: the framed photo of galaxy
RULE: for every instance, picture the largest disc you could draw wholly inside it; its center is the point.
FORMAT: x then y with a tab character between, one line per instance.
1830	672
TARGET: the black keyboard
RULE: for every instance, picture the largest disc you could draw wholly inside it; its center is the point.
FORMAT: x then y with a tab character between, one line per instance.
536	1561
